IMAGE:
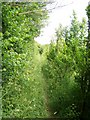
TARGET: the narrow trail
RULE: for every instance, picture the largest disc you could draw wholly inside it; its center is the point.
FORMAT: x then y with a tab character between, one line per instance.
38	64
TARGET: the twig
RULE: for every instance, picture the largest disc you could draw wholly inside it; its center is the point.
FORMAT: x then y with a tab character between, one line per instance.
59	7
30	12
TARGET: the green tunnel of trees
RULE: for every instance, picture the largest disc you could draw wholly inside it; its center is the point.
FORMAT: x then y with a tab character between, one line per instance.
64	65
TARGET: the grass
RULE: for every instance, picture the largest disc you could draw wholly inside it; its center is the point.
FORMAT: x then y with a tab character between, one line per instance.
26	98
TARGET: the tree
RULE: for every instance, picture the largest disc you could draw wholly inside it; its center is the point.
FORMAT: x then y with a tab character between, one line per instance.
85	113
65	69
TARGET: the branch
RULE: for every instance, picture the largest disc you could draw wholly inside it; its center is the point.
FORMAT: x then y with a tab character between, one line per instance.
59	7
34	11
25	12
14	4
45	9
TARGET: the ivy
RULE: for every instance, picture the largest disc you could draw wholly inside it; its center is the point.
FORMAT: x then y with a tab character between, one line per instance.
21	23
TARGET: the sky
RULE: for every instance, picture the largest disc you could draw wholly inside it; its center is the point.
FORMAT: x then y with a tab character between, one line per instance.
61	15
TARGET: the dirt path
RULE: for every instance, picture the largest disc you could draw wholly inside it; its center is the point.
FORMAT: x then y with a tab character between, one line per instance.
39	65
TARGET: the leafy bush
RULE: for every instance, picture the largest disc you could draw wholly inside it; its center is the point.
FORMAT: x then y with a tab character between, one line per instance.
21	23
66	61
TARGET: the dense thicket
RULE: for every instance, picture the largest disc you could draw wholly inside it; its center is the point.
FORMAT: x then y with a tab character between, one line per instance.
66	71
21	23
64	88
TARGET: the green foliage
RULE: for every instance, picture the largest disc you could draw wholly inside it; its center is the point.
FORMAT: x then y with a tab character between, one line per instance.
40	50
21	23
65	66
88	11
